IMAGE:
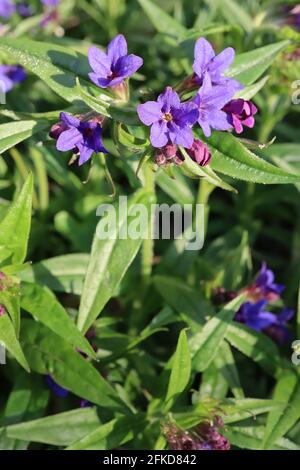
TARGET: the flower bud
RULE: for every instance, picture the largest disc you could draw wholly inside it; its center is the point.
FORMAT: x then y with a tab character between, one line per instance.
199	152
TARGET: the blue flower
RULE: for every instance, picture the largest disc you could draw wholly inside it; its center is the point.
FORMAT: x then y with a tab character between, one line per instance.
7	8
55	388
10	75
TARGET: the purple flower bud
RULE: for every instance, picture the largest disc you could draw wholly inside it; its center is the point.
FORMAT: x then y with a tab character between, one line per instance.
24	10
169	150
240	113
160	159
199	153
2	310
56	389
57	129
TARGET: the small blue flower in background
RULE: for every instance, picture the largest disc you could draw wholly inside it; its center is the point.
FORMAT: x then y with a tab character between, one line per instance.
7	8
265	281
84	137
56	389
207	62
10	75
112	68
256	317
170	120
24	10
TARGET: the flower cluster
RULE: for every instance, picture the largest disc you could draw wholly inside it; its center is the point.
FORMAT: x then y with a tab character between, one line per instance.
213	107
205	436
261	293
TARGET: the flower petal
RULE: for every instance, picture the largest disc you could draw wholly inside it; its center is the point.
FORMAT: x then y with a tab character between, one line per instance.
204	53
159	134
69	120
117	48
128	65
68	140
187	114
168	99
85	154
221	62
99	61
149	112
181	135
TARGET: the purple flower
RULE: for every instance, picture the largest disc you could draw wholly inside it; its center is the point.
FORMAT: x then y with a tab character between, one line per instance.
170	120
293	18
112	68
80	136
24	10
199	153
240	113
10	75
50	3
254	316
207	62
210	101
205	436
7	8
55	388
85	403
265	281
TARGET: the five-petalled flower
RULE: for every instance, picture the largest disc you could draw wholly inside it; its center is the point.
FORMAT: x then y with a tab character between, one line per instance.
84	137
170	120
112	68
207	62
10	75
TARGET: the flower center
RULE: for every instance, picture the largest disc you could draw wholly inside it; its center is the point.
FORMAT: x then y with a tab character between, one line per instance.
168	117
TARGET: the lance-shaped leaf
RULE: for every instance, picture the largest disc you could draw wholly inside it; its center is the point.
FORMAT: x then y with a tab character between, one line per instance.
206	344
231	157
48	354
8	340
249	66
43	305
60	429
12	133
15	227
162	21
112	255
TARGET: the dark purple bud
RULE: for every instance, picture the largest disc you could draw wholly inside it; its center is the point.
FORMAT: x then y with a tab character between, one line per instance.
199	153
221	296
57	129
178	159
169	150
160	159
55	388
240	113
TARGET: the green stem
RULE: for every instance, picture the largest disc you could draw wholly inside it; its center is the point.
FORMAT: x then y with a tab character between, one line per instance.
204	191
148	243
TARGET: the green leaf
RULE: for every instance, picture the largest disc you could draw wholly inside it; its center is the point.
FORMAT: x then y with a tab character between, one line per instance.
255	345
110	258
225	363
161	21
60	429
193	170
57	66
239	410
184	299
279	422
49	354
231	157
12	133
15	227
205	345
251	90
112	434
43	305
249	66
180	372
232	9
62	273
8	337
250	437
